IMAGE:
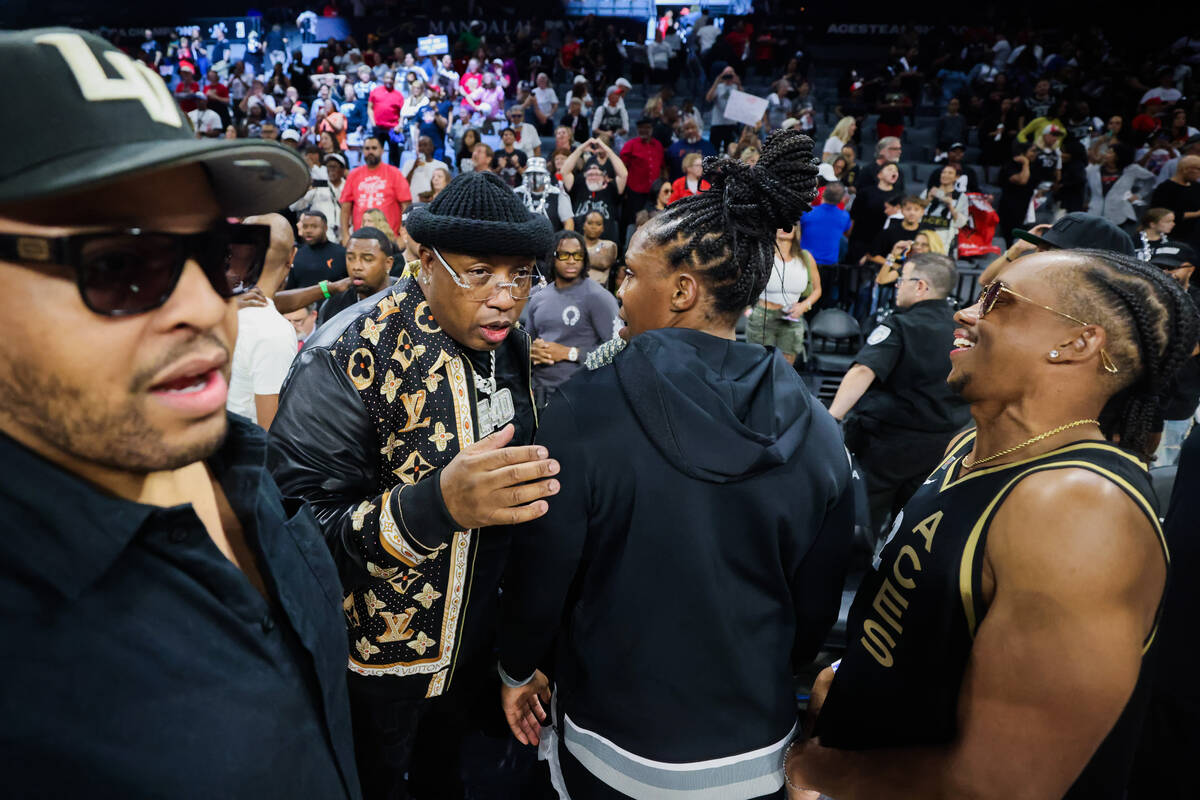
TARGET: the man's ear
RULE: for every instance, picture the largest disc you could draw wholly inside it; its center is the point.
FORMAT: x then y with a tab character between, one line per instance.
1086	345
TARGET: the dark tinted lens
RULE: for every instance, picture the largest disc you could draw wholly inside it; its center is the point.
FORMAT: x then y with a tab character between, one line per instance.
988	299
235	255
124	274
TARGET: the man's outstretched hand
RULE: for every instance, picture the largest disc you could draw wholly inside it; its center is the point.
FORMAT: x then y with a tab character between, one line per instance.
489	483
523	708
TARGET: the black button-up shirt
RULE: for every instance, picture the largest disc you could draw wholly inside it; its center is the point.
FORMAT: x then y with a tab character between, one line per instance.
909	353
137	661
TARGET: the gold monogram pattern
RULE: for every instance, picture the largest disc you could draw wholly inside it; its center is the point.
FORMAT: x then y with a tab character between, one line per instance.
406	352
390	446
413	469
371	330
391	385
424	319
397	626
427	595
360	514
373	603
361	368
441	437
422	643
365	649
375	571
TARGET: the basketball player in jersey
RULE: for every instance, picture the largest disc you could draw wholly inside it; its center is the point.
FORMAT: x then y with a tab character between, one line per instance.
996	649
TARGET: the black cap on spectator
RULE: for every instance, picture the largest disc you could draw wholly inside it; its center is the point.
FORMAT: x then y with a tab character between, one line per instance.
1172	255
122	119
1077	229
958	146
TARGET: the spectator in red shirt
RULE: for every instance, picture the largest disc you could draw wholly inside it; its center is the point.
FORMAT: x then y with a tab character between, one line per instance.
643	157
218	95
691	183
187	88
383	114
373	185
472	78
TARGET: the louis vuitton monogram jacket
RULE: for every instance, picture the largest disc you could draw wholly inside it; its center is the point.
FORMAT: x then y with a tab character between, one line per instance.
378	401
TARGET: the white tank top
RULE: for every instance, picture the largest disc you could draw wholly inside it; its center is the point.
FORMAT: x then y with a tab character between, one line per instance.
788	281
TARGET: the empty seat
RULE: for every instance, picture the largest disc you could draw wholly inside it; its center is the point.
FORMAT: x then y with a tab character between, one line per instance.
834	339
920	175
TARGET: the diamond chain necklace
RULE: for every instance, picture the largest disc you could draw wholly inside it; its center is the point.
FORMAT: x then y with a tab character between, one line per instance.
487	385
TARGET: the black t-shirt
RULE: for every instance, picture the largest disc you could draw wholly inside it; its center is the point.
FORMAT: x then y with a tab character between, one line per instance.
1180	199
605	201
868	214
316	263
895	232
909	353
1044	167
1014	198
509	165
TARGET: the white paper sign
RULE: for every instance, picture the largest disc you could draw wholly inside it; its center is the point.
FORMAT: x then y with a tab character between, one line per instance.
745	108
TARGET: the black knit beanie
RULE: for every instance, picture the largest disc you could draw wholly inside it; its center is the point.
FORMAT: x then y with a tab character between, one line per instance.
480	214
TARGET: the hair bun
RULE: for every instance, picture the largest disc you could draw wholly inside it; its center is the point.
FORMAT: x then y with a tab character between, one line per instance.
773	193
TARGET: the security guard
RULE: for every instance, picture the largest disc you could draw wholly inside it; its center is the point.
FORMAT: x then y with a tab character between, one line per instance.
904	414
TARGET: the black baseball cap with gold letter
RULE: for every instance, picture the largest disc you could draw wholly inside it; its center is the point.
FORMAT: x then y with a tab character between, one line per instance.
103	116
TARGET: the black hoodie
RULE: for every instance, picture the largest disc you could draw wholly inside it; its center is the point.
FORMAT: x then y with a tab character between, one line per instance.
694	555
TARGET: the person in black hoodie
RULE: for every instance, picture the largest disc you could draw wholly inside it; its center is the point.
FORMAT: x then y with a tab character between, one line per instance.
695	554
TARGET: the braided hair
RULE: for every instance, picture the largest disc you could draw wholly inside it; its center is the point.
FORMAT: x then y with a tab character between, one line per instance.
727	233
1152	328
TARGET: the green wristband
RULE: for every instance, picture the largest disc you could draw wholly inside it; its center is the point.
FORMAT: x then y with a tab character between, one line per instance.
325	289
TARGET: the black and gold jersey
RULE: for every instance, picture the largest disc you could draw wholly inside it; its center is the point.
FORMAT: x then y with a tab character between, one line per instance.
913	620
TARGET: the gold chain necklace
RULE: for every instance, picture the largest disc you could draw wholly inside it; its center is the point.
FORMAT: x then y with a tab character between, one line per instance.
1028	442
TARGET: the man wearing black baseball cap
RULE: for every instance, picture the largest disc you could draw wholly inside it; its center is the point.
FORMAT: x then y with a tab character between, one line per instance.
168	629
1073	231
406	425
1179	259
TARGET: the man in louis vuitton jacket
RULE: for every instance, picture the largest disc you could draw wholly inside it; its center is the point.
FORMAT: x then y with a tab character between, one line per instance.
406	423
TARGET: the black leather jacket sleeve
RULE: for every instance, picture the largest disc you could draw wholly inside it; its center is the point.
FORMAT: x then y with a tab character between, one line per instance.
324	450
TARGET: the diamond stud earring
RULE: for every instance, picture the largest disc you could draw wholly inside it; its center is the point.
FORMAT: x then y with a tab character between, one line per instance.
1054	354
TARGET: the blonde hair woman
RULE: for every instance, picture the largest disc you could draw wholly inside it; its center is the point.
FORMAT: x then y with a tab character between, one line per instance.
842	133
374	218
923	241
794	287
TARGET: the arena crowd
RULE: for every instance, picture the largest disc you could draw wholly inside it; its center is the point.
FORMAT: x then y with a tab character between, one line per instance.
605	408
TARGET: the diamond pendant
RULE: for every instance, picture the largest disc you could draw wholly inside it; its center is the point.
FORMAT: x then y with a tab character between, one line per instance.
495	412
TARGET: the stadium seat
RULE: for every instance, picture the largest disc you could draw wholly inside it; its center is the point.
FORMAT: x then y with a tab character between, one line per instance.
835	338
920	175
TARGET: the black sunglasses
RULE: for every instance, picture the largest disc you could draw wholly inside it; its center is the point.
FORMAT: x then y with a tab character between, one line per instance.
120	273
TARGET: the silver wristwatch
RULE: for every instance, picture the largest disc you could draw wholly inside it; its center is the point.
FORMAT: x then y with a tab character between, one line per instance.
573	354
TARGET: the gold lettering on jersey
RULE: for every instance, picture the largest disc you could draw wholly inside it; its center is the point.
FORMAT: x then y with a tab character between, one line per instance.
878	642
137	81
889	602
928	527
890	605
397	626
906	552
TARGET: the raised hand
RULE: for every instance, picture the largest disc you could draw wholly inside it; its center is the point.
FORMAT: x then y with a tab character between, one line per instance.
489	483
